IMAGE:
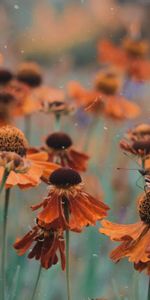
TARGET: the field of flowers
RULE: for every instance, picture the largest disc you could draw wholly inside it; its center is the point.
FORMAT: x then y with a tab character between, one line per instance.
74	150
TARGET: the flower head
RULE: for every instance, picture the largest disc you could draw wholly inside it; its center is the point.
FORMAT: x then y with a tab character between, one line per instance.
137	141
13	151
66	191
60	150
104	98
46	241
134	238
130	56
107	83
135	48
5	76
12	139
29	74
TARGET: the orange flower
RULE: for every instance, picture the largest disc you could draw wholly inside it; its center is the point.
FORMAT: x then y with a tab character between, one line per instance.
137	141
82	96
109	53
104	98
25	105
45	96
46	241
131	57
60	150
25	170
66	192
134	238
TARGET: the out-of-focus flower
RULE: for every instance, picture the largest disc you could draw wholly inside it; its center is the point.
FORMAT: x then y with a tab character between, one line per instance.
30	74
5	76
46	240
137	141
45	96
115	106
66	192
131	57
134	238
105	98
24	170
25	105
60	150
7	104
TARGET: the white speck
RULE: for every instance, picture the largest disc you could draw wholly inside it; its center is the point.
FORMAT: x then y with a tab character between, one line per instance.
76	124
22	51
94	255
105	128
5	46
112	8
16	6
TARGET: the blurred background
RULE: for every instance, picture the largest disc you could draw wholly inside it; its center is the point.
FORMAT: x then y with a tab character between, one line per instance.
62	36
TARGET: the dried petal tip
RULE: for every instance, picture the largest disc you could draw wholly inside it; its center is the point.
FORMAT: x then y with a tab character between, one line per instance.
144	208
5	76
30	74
65	177
13	140
58	141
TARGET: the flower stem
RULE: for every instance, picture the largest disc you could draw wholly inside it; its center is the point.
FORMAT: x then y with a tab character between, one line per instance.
68	265
28	127
36	283
67	255
4	178
57	125
4	241
148	295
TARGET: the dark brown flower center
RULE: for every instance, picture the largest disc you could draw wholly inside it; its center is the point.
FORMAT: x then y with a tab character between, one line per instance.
32	79
13	140
65	177
144	208
58	141
135	48
6	97
142	145
5	76
107	84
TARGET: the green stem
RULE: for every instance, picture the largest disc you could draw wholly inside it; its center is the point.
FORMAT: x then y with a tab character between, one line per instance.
28	127
4	244
67	255
36	283
57	125
143	167
4	178
90	133
148	295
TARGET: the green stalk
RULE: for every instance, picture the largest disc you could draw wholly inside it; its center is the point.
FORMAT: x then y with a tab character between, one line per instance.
57	124
28	127
148	295
5	176
36	283
4	244
67	255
